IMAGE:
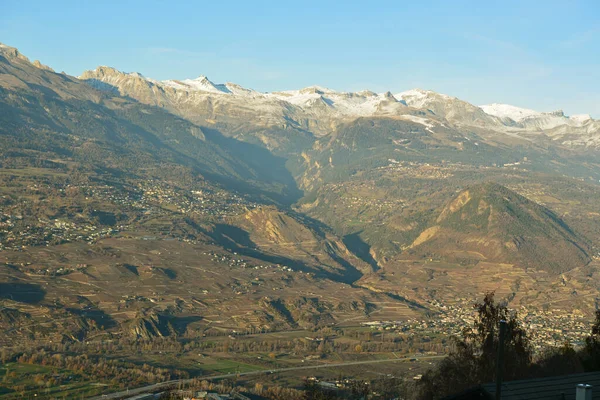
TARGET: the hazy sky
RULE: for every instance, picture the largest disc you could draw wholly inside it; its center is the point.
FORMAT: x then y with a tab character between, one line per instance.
543	55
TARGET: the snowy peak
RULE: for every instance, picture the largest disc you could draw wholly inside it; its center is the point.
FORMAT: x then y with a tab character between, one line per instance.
200	84
301	95
320	107
507	111
103	75
454	110
363	103
527	118
419	98
112	76
316	90
581	118
112	80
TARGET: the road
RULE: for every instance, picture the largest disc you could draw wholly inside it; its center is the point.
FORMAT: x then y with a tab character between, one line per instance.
162	385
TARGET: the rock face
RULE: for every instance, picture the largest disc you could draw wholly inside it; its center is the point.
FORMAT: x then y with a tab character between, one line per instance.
150	326
11	52
492	223
39	65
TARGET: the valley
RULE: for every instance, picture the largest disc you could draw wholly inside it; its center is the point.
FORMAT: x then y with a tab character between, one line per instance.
176	230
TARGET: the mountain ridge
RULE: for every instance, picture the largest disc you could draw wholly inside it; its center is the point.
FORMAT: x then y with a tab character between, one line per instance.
319	110
493	109
418	97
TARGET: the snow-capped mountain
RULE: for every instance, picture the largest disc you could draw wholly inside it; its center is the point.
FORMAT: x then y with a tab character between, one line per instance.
363	103
200	84
508	111
451	108
310	99
314	108
575	131
535	119
318	110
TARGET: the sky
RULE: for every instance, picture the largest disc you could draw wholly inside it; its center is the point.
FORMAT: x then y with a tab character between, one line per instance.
543	55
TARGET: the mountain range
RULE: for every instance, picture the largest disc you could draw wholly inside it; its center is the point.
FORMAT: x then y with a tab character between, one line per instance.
318	109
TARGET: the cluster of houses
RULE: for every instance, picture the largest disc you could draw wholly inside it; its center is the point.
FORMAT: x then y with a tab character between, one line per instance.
548	328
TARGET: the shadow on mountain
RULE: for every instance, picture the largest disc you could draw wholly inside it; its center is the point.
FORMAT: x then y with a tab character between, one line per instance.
44	89
14	114
169	273
351	274
360	249
237	165
106	87
104	217
180	324
270	168
129	138
260	173
132	268
22	292
232	236
101	318
410	303
237	240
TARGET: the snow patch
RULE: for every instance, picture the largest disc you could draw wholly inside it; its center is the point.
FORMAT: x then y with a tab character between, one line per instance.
507	111
581	118
314	98
418	98
200	84
419	120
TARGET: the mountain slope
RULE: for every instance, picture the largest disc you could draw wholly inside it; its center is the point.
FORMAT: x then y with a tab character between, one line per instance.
55	116
371	143
576	131
490	222
290	239
450	108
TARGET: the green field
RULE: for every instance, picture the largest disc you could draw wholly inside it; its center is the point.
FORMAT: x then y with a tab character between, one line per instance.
220	366
37	381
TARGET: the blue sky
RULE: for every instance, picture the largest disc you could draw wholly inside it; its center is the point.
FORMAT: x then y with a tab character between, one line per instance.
543	55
